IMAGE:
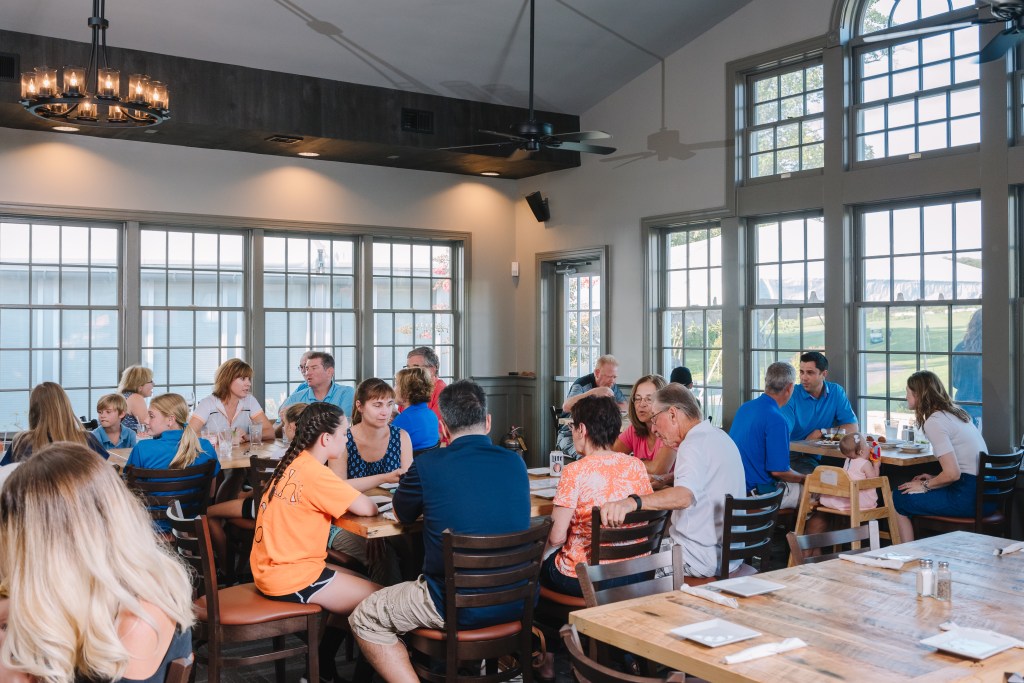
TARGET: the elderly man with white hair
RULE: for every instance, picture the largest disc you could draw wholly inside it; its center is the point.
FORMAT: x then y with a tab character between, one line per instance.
601	382
708	466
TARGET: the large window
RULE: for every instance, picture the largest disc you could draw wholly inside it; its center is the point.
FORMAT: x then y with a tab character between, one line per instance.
59	317
413	295
691	318
309	298
192	295
919	303
785	120
788	313
914	94
581	321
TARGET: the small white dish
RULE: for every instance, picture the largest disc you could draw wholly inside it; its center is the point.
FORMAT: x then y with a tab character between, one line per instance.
542	483
746	586
389	487
715	632
545	493
972	643
826	443
542	472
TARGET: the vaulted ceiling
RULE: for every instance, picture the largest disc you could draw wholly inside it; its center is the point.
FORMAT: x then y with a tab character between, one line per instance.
438	52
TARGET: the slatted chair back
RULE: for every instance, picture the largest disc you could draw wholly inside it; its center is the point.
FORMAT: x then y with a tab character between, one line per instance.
595	577
192	542
747	529
261	469
158	488
852	537
587	670
640	533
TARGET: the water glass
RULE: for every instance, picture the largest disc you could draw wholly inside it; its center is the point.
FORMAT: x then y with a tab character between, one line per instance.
141	431
224	444
892	430
256	434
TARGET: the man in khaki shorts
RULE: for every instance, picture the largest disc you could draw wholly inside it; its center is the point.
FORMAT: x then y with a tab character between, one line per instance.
470	487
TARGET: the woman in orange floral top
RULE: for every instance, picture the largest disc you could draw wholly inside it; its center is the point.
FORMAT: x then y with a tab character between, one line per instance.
599	475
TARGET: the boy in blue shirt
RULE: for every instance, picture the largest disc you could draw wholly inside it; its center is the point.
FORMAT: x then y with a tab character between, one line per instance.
110	410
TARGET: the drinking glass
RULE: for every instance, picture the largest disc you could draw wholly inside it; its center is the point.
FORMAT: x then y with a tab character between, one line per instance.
256	435
141	431
892	430
224	444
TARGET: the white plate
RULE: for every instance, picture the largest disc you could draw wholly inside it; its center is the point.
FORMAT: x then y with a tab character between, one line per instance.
542	472
545	493
970	642
826	444
746	586
715	632
389	487
543	483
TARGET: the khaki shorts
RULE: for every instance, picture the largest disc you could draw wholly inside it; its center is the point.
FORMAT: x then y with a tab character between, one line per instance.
394	610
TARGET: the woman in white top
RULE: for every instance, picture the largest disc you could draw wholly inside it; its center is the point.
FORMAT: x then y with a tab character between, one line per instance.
231	405
956	442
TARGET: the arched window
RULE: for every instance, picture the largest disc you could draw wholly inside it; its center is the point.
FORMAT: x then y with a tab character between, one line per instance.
913	93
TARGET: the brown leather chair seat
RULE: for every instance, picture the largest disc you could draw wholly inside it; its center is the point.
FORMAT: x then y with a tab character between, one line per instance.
244	604
561	598
473	635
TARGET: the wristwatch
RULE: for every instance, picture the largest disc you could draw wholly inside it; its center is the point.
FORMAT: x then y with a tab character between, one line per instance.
639	501
924	483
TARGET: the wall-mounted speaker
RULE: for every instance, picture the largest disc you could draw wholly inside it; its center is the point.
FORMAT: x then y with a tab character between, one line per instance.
539	206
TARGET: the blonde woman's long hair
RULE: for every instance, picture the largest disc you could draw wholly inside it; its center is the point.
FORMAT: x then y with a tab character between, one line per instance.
931	397
50	418
77	549
133	377
173	405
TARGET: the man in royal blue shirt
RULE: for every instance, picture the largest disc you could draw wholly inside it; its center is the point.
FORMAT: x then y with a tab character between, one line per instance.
816	405
470	487
762	435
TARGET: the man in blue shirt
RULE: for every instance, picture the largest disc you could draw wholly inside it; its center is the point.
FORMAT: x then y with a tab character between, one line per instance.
762	435
816	405
470	487
320	387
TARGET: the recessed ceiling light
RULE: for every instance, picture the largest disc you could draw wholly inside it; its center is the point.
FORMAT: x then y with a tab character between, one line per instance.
491	174
150	131
393	157
309	154
66	129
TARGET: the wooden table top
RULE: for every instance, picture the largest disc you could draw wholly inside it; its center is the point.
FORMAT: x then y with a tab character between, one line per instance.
889	457
860	623
239	454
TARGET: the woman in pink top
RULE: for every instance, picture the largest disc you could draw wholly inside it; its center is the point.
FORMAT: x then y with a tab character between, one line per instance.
638	438
859	465
599	475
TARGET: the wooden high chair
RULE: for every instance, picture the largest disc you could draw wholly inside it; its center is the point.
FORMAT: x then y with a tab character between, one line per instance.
834	481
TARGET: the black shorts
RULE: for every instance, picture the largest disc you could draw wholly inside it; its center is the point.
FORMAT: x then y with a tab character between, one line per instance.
303	596
249	508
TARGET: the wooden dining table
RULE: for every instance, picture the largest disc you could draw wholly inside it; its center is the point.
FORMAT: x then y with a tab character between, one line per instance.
860	623
894	456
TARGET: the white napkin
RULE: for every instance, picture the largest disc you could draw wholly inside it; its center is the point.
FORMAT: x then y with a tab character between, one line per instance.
1012	548
390	516
714	597
873	561
765	650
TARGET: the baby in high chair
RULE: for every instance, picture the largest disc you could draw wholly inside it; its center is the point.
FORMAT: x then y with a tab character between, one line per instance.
859	465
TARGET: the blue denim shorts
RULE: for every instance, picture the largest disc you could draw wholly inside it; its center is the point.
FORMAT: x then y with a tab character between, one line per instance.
955	500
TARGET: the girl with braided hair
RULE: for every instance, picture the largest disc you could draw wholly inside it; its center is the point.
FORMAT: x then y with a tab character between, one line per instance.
293	519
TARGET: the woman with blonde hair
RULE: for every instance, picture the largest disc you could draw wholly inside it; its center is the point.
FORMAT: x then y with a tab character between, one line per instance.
50	418
136	386
413	389
956	442
231	405
638	438
92	593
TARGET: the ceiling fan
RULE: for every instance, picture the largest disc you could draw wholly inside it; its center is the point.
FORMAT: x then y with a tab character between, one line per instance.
532	135
1002	11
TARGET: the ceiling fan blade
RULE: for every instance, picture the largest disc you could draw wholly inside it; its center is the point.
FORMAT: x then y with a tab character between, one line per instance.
486	144
581	135
520	154
581	147
504	135
922	30
1000	45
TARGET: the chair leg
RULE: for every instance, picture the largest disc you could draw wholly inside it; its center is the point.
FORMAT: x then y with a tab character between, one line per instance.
279	665
801	517
894	527
312	655
213	660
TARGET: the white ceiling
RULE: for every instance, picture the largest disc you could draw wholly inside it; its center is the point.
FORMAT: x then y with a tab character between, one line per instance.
469	49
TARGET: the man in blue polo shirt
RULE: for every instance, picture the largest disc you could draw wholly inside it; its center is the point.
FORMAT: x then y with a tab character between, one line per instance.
762	435
320	387
816	405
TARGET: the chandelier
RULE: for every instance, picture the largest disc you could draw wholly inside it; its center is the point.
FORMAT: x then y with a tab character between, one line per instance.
92	97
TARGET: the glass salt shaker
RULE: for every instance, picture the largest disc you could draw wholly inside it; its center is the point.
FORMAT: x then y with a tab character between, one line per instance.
925	579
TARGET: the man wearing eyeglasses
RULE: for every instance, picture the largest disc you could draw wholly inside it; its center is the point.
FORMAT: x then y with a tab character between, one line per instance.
425	357
601	382
320	387
708	466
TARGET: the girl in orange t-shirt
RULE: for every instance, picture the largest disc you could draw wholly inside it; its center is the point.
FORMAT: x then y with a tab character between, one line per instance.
303	497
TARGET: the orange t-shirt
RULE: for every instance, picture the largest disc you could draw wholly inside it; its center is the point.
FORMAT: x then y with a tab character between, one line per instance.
594	480
289	549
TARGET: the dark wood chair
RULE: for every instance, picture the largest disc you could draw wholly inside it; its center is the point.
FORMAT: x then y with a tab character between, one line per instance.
641	532
851	537
179	670
240	614
996	482
586	670
158	488
509	565
594	576
747	534
556	414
